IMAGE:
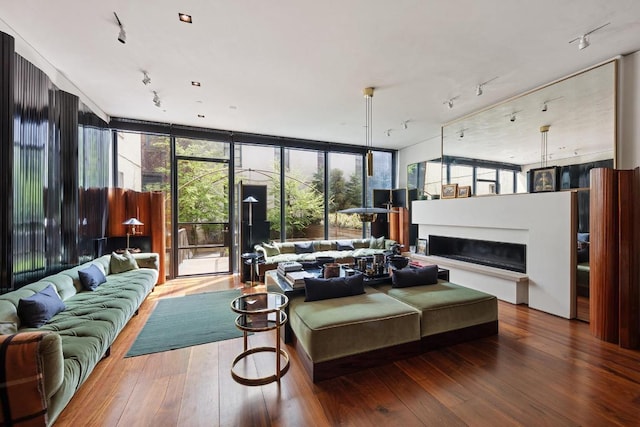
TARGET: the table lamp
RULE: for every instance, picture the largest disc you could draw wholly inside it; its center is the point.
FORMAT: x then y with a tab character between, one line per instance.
132	222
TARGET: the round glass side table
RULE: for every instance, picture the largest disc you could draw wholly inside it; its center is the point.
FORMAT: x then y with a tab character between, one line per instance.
260	312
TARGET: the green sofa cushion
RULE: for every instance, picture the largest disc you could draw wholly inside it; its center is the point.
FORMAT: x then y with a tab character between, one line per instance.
121	263
334	328
446	306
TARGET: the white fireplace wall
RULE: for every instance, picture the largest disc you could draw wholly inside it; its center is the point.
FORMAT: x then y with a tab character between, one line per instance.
544	222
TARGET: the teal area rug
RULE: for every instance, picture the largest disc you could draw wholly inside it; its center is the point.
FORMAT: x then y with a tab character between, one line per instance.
187	321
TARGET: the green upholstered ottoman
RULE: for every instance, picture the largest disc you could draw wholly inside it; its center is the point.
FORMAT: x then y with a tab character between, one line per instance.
334	333
447	307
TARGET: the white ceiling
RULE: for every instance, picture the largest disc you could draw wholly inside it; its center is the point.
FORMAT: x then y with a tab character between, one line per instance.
297	68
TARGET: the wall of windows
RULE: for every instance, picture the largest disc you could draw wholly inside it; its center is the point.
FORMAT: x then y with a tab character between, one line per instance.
305	185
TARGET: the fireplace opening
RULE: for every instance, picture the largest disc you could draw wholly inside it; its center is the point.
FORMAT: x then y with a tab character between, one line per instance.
508	256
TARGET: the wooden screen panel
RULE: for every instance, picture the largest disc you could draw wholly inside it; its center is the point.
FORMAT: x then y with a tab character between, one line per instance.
157	226
628	266
603	256
117	212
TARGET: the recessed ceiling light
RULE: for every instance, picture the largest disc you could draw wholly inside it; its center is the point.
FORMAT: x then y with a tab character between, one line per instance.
194	83
233	107
185	18
201	116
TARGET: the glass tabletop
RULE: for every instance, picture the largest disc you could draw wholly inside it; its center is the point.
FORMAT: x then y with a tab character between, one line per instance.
263	302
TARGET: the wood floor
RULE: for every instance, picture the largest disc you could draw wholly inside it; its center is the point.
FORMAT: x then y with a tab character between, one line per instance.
539	370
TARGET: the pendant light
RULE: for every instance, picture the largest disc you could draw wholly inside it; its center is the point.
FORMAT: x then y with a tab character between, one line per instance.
544	130
368	98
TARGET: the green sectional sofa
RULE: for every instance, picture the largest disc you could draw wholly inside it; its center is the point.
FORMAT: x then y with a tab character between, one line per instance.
337	336
276	252
77	338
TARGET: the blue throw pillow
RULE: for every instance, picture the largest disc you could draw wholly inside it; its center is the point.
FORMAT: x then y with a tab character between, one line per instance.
344	245
304	248
91	277
39	308
406	277
336	287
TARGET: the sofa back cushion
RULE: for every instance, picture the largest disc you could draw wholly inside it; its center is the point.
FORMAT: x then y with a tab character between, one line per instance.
344	245
286	247
360	243
271	249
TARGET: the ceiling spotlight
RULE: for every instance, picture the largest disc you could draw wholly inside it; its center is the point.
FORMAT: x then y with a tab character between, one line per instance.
544	107
462	133
201	116
194	83
583	40
122	36
387	132
146	79
512	118
449	102
404	124
156	99
185	18
479	87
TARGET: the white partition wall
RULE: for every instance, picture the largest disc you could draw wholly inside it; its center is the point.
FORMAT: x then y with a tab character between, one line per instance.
544	222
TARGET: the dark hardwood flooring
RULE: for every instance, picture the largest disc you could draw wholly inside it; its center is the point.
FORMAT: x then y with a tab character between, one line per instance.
539	370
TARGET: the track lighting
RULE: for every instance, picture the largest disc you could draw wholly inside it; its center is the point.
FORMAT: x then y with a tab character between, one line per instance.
156	99
404	124
512	118
544	107
387	132
449	102
479	87
146	79
122	36
462	133
583	40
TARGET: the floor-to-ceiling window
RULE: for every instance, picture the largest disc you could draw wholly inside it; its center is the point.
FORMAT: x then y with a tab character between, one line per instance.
203	229
303	207
345	191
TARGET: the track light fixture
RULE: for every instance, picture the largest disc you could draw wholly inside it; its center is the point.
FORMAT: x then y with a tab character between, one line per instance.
462	133
479	87
449	102
156	99
583	40
404	124
387	132
512	118
145	79
544	108
122	36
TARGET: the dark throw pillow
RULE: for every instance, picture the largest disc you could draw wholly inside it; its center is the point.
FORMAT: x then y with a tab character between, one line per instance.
336	287
304	248
121	263
91	277
344	245
39	308
406	277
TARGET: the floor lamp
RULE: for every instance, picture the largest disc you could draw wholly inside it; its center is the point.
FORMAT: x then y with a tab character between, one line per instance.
250	201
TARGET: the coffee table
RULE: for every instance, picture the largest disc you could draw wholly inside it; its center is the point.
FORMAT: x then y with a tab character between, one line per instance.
259	312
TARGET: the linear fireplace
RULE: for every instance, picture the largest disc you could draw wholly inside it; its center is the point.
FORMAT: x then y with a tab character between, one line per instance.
508	256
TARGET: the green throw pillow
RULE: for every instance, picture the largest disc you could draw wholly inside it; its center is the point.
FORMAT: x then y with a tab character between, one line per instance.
377	243
121	263
271	249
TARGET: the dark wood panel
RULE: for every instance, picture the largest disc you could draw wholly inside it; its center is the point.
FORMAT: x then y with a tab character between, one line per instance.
7	55
157	228
603	257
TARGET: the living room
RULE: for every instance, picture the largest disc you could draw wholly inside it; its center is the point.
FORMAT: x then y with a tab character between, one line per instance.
283	68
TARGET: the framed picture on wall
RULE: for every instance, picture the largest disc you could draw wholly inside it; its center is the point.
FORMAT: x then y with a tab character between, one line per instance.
422	247
543	179
464	191
449	191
